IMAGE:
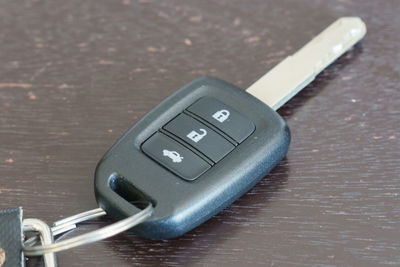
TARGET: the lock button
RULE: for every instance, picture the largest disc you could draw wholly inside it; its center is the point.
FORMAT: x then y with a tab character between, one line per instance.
224	117
199	136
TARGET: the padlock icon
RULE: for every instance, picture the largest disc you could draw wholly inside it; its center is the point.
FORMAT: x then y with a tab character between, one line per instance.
195	136
221	115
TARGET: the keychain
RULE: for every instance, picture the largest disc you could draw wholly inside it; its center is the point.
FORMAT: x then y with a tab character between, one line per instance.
191	156
13	247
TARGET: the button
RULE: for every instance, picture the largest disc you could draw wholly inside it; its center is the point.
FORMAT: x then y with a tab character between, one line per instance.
175	157
223	117
199	136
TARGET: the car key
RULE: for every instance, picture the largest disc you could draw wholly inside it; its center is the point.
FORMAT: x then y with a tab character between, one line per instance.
210	142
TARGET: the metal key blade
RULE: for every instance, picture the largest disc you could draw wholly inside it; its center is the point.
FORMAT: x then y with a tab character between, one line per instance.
295	72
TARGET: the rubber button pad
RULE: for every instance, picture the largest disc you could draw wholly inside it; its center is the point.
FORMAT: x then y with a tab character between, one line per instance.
189	144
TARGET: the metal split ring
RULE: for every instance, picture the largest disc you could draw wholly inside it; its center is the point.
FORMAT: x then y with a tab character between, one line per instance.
87	238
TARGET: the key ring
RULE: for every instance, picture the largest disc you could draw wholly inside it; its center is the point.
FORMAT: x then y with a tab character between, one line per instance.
46	236
93	236
67	224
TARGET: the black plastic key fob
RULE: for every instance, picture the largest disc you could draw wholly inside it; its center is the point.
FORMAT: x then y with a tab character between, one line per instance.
191	156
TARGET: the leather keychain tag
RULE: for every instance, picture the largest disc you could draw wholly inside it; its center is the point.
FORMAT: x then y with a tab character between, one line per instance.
11	234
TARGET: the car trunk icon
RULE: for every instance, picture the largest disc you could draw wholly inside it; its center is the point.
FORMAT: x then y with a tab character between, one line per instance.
173	155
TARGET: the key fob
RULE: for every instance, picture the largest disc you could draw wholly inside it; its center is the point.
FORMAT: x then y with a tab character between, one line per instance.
191	156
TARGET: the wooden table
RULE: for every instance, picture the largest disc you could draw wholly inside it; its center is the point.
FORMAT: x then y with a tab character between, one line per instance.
75	75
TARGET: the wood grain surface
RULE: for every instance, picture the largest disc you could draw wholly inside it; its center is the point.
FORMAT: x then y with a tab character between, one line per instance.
75	75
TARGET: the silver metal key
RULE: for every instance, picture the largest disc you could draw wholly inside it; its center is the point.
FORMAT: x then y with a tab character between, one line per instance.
295	72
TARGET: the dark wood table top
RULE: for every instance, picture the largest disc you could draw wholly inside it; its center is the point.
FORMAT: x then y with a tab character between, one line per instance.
75	75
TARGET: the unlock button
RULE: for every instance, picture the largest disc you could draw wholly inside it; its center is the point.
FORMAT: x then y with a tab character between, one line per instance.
199	136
